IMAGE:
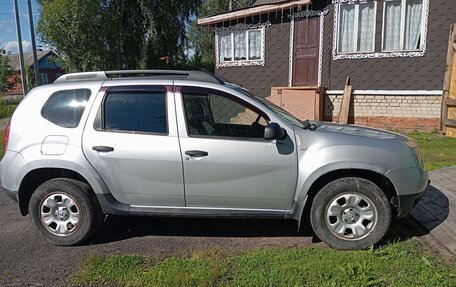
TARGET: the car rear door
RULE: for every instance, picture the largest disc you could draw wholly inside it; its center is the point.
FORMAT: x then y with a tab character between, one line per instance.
131	140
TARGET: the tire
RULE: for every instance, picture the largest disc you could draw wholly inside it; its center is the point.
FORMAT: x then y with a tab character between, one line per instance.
350	213
65	211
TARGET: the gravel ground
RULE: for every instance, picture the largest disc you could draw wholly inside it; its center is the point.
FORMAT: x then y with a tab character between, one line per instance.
26	259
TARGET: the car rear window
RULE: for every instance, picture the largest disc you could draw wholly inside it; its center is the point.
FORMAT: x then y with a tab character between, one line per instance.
65	108
136	111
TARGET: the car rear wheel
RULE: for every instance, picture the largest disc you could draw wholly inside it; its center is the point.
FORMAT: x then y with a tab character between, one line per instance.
65	211
350	213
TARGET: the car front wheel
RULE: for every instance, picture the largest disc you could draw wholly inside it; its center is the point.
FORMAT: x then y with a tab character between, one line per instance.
65	211
350	213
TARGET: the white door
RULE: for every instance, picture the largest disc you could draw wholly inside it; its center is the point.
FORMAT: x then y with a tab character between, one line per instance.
133	144
227	161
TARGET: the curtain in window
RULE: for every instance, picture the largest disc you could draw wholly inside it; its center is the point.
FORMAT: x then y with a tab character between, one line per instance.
225	47
254	45
392	33
346	28
413	19
366	26
239	46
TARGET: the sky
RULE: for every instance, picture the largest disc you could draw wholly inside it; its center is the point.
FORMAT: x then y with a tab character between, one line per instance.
8	37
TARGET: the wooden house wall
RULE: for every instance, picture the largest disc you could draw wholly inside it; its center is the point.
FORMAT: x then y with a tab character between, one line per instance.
420	73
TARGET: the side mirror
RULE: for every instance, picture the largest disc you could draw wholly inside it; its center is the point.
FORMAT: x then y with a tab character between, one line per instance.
273	131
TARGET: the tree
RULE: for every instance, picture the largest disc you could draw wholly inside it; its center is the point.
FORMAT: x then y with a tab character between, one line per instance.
167	36
202	38
7	75
116	34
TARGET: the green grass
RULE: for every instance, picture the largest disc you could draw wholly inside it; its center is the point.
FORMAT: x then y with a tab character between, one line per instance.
6	110
437	151
399	264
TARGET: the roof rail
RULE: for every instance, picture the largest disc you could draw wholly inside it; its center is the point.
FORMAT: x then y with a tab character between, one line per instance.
193	75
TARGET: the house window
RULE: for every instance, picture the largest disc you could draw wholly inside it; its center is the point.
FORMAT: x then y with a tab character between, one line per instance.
357	27
240	47
254	45
44	78
402	28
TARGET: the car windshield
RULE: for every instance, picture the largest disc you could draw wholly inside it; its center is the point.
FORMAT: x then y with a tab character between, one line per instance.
278	110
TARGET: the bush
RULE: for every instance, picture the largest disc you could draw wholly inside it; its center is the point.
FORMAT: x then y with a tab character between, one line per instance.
6	109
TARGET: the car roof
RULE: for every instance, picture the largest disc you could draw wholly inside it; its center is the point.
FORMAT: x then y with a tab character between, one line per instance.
191	75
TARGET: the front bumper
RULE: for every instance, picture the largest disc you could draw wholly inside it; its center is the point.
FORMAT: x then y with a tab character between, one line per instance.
410	185
407	202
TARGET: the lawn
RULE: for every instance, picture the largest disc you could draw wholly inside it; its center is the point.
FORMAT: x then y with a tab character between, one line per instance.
437	151
6	110
399	264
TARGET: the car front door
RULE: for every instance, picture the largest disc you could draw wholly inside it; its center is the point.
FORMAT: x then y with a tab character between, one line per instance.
132	142
227	161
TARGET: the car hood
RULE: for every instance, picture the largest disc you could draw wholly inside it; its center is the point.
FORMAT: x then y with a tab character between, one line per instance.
361	131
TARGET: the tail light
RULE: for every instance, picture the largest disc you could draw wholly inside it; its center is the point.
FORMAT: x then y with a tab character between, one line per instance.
5	139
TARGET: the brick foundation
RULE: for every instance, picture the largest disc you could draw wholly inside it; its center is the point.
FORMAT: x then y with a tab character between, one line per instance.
393	123
405	113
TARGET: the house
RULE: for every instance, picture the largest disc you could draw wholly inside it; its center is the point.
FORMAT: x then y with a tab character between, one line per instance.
49	69
299	53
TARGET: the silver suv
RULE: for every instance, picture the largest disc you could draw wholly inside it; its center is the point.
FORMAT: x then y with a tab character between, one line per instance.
187	143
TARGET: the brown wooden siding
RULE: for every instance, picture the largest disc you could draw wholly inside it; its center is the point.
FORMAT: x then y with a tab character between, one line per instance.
422	73
259	79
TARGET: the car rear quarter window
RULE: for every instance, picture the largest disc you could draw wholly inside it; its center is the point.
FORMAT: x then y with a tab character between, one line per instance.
65	108
136	111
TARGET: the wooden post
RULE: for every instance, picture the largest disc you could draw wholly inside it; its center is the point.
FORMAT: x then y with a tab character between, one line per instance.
448	77
320	104
345	105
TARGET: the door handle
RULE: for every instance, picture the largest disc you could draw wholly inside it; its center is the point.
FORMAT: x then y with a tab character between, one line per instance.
103	148
196	153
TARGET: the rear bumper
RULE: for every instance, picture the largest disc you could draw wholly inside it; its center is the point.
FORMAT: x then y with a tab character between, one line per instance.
408	202
11	193
12	170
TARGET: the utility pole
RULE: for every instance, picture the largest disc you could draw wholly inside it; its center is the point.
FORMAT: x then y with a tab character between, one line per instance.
120	48
21	51
231	5
32	34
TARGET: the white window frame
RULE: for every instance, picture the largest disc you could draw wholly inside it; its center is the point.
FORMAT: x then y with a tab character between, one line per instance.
233	62
355	32
44	79
402	39
380	55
